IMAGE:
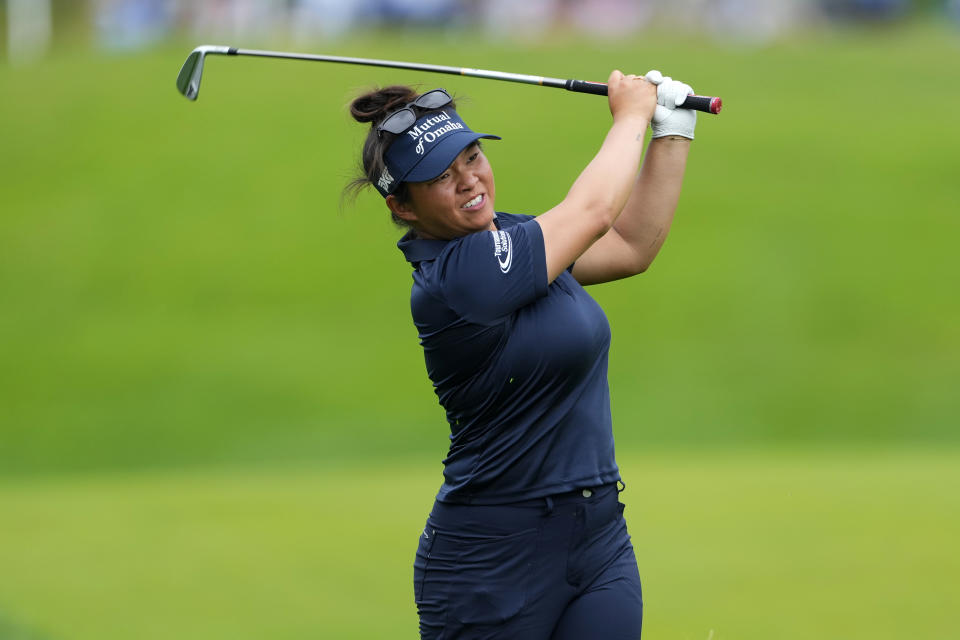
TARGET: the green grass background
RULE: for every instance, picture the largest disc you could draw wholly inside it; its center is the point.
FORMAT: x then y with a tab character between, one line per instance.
214	416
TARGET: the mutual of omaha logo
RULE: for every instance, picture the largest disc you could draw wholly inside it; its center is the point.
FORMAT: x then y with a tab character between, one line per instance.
503	249
431	129
385	180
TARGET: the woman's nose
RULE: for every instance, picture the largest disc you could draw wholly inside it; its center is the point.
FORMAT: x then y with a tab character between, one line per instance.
467	180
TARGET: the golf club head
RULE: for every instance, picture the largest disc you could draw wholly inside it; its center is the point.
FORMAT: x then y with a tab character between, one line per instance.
188	81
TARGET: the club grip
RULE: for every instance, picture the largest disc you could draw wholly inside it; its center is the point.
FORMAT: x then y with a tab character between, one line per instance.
585	86
706	104
703	103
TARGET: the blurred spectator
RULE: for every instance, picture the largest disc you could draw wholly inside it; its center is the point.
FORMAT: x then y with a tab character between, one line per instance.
29	29
609	18
749	21
872	10
326	18
131	24
213	19
754	21
524	20
419	12
953	10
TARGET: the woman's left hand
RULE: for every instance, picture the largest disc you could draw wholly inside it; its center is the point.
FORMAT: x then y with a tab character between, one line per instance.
669	119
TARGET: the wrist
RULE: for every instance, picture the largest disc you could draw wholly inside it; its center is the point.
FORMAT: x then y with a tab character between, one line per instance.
672	138
626	119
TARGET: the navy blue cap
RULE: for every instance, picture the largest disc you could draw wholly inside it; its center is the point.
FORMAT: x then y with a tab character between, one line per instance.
426	149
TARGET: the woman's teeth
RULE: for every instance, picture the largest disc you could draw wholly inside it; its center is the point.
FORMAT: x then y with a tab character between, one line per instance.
473	202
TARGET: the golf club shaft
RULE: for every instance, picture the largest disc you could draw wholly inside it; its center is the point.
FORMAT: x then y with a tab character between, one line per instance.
698	103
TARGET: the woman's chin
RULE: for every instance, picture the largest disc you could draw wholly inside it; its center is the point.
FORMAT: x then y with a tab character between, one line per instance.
482	218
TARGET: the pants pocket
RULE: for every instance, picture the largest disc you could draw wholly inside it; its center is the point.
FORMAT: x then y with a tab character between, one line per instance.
432	570
491	582
422	561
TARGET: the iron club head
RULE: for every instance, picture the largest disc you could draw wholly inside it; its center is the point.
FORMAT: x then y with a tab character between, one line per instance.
188	81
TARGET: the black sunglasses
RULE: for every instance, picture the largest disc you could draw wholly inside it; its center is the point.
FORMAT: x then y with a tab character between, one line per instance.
404	117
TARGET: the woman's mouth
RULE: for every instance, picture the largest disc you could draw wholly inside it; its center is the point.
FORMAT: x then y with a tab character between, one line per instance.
475	203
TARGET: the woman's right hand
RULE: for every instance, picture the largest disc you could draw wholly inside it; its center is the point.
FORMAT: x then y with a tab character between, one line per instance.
631	96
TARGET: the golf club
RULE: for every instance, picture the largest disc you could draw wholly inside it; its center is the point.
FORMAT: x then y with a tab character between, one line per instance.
188	82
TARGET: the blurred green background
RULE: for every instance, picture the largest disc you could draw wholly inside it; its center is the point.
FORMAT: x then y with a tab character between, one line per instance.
214	416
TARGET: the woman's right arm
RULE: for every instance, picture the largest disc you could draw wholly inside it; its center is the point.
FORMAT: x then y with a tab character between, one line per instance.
600	192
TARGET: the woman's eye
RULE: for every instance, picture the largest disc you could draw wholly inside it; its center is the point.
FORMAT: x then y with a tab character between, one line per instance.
473	157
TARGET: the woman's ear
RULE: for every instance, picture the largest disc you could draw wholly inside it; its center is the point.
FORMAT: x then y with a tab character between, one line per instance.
402	210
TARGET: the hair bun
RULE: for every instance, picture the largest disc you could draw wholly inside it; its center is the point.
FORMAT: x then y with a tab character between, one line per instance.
375	105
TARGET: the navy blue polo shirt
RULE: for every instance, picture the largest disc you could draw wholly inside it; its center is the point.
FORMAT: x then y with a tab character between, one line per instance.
519	366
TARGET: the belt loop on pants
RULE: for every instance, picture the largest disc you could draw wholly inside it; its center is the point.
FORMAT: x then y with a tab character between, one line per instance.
549	501
621	486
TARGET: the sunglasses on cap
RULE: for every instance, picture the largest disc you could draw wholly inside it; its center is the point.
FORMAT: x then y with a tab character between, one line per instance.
404	117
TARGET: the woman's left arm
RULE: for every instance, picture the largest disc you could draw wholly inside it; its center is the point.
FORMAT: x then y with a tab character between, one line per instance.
633	242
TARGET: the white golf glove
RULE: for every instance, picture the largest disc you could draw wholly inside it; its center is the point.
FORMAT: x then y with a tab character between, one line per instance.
669	119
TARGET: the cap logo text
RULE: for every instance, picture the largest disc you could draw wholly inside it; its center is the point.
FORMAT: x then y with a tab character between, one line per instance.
425	133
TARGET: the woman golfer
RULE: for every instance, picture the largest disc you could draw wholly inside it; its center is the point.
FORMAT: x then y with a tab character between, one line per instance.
526	538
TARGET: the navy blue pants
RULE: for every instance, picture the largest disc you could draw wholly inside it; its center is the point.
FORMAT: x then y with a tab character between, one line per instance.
558	568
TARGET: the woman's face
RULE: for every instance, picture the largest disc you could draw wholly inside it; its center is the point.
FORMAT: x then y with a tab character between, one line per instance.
457	202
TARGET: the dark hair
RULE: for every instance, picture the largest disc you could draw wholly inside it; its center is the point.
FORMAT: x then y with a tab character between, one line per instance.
373	107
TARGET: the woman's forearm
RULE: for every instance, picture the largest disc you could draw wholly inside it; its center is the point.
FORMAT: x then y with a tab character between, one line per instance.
648	213
600	192
605	185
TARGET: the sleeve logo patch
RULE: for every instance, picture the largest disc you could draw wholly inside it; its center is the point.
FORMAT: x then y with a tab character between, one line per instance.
503	249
